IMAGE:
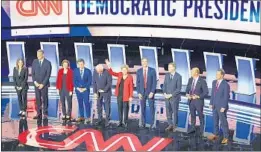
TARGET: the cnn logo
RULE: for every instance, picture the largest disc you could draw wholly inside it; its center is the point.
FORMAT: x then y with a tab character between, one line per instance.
32	8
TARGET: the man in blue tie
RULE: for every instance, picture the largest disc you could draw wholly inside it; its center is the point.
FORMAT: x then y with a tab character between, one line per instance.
171	90
41	72
196	91
82	83
219	105
146	83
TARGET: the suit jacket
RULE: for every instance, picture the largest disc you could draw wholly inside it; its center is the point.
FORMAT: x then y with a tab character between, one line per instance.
20	80
127	87
104	82
69	80
41	74
151	81
201	88
84	82
173	86
220	98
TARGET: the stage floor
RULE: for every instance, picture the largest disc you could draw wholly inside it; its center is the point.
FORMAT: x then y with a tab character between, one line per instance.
12	126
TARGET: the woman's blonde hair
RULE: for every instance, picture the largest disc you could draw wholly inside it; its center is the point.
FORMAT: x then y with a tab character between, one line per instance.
125	66
66	61
17	61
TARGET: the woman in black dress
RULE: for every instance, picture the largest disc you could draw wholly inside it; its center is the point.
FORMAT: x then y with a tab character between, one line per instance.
20	77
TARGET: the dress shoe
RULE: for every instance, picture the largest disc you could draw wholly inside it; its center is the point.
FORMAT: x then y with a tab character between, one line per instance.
224	141
20	113
45	117
68	118
212	137
125	125
98	123
63	117
87	121
141	126
169	128
37	117
174	128
119	124
191	130
81	119
152	127
107	125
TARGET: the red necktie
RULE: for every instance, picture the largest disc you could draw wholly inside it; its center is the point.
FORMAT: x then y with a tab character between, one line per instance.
145	79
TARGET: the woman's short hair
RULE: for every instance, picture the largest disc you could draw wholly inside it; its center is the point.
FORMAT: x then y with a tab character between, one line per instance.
17	61
125	66
66	61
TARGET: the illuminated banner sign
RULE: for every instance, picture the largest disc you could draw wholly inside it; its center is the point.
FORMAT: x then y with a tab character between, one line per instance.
235	15
92	138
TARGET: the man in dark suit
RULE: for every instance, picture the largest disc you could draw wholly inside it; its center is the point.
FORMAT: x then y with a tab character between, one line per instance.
196	91
82	83
219	105
102	82
146	83
171	89
41	72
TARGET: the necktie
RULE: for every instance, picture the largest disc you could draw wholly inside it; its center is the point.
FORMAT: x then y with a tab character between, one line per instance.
81	73
40	62
192	87
217	85
145	78
171	76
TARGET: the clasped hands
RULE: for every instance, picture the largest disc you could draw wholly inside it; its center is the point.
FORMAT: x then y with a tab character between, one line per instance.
19	88
39	86
81	89
192	97
150	95
167	96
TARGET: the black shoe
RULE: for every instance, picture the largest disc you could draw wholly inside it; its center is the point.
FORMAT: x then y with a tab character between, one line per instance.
174	128
125	125
98	123
119	124
64	118
169	128
107	125
37	117
20	114
192	130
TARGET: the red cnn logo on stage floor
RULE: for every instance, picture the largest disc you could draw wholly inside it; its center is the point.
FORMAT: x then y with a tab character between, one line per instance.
93	139
32	8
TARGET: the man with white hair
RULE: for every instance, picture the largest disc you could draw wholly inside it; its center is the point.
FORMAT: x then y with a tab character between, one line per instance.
102	82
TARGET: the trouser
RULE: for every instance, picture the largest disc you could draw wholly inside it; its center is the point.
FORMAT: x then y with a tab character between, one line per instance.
42	100
172	108
143	110
84	103
65	95
197	106
107	105
23	125
222	116
123	110
22	99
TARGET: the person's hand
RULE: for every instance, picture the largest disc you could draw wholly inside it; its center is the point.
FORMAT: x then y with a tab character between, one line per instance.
95	96
84	89
79	89
36	84
108	63
130	99
222	109
197	97
101	90
210	107
58	91
169	96
194	97
151	95
165	95
41	86
188	96
70	93
140	96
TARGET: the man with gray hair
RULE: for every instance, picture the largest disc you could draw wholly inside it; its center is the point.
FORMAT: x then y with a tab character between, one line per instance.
219	105
41	72
171	90
102	82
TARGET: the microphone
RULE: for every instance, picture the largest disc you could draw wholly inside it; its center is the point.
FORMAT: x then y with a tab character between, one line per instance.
213	49
248	49
150	40
181	45
117	39
83	39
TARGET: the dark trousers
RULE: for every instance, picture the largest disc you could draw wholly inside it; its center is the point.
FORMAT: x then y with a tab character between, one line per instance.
197	106
222	116
84	103
64	95
123	110
22	99
172	109
42	100
143	110
107	105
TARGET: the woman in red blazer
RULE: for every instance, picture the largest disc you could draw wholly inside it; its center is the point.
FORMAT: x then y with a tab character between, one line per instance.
64	86
123	91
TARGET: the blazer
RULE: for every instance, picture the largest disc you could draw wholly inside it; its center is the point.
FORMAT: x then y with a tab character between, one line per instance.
201	88
220	98
127	87
173	86
69	80
21	80
41	74
151	81
84	82
104	82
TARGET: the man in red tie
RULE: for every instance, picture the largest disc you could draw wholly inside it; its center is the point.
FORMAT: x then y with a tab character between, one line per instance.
146	83
219	105
196	90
